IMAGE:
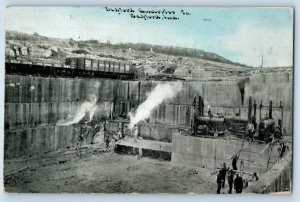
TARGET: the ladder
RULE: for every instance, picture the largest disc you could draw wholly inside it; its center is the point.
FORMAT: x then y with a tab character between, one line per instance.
270	153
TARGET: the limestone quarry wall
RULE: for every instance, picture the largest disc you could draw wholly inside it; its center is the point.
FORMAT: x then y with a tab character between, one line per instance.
39	140
212	153
33	101
39	104
35	105
276	87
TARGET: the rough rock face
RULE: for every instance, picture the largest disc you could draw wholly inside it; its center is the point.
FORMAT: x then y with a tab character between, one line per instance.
24	51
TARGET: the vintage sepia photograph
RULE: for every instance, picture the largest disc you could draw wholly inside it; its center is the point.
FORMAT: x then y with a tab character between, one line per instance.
172	100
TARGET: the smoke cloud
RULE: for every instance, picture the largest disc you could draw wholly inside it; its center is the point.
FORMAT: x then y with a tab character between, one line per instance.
160	93
88	107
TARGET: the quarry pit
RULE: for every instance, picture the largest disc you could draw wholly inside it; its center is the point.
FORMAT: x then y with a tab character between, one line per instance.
41	135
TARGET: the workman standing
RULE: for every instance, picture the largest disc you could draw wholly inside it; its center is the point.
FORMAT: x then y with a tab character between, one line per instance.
219	182
234	162
79	143
250	130
238	184
135	132
223	172
112	145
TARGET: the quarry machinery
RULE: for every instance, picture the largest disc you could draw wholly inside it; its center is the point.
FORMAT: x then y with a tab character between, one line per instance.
205	125
237	124
216	125
267	129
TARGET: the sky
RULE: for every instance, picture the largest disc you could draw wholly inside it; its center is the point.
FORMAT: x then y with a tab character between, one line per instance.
244	35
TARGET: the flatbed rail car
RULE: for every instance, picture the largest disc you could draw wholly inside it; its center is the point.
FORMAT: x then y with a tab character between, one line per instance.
75	67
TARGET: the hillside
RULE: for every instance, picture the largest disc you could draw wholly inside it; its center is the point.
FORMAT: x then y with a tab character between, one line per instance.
182	62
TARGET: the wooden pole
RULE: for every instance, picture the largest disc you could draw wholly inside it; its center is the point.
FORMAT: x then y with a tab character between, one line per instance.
243	147
254	110
260	106
270	110
250	108
270	154
281	107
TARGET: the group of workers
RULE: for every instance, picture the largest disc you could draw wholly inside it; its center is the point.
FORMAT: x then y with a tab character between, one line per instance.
234	177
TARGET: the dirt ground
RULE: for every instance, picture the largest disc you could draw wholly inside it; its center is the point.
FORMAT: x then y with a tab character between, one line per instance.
103	172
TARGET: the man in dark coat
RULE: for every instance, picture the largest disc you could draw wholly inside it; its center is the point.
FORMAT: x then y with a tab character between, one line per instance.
79	143
107	143
223	174
219	182
230	180
238	184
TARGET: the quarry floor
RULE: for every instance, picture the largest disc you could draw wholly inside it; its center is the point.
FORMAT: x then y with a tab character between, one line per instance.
104	172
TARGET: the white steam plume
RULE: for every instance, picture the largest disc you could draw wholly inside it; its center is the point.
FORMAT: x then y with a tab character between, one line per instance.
88	107
206	104
160	93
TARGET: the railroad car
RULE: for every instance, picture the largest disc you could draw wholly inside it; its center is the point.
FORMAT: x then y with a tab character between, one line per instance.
102	65
76	66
